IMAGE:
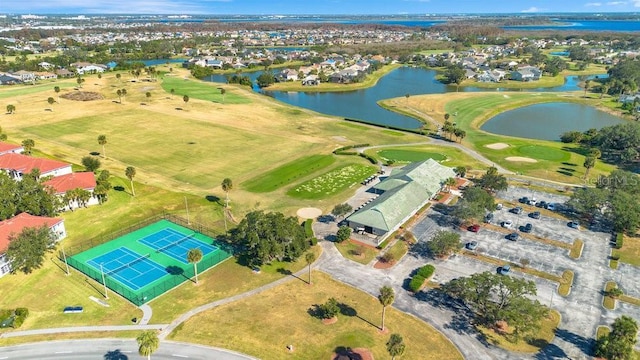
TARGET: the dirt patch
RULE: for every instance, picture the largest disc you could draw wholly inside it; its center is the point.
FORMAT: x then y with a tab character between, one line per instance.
383	265
333	320
339	138
82	96
353	354
521	159
497	146
309	213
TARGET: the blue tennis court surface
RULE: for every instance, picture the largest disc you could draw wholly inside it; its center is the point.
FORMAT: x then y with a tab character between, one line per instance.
176	244
129	268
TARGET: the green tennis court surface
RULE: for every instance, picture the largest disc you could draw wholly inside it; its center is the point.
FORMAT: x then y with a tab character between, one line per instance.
145	263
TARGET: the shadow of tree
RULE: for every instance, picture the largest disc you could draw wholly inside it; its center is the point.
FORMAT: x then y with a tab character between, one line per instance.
346	353
175	270
213	199
284	271
326	218
347	310
584	344
550	351
115	355
118	188
316	311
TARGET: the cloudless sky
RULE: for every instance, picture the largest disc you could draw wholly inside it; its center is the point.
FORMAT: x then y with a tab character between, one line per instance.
287	7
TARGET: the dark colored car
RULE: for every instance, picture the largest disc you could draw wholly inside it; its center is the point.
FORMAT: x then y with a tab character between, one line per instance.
513	236
472	245
542	204
517	210
574	225
488	218
527	228
474	228
535	215
504	270
524	200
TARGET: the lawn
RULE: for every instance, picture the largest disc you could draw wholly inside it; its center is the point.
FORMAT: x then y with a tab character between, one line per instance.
541	339
398	250
130	334
555	160
609	302
630	251
288	173
202	90
360	253
284	311
448	156
17	90
576	249
332	182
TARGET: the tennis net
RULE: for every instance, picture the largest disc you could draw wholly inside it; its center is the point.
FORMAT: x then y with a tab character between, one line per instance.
127	265
179	241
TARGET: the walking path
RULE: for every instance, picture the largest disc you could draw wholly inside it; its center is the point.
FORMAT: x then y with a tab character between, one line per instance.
147	312
81	329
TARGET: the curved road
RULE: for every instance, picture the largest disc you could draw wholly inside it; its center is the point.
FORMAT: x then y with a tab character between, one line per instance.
113	349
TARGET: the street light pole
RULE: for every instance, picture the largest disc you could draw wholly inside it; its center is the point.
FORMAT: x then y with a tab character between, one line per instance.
186	205
106	296
64	256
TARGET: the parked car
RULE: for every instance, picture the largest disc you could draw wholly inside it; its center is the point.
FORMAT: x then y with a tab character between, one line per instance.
517	210
551	206
535	215
472	245
488	218
504	269
499	206
532	202
474	228
574	225
527	228
513	236
524	200
507	224
541	204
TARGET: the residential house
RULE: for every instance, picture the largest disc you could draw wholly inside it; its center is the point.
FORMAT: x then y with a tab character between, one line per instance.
64	73
491	76
16	165
25	76
6	148
526	73
311	80
288	75
45	65
88	68
80	180
404	192
15	225
8	79
45	75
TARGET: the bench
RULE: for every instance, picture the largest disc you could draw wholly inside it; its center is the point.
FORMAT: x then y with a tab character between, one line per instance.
73	310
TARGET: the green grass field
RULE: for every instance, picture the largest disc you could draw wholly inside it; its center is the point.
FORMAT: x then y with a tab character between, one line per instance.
630	251
202	90
7	92
288	173
357	252
406	156
332	182
284	310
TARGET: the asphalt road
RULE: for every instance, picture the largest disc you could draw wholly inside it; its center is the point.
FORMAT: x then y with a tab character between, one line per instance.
112	349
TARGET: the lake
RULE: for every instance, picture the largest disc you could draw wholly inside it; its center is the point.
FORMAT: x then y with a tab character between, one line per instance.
362	104
548	121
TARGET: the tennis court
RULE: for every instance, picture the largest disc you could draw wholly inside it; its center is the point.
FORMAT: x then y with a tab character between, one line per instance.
144	264
176	244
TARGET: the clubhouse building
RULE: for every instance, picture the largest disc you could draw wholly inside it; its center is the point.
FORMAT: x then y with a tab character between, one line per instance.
403	193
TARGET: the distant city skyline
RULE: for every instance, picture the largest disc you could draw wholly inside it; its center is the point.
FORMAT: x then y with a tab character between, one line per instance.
326	7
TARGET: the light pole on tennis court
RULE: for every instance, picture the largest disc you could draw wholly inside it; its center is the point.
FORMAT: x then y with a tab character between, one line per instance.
186	205
106	296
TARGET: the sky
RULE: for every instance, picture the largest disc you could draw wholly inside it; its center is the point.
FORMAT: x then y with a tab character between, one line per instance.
325	7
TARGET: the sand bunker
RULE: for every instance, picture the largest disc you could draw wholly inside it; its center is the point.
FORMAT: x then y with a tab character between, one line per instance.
497	146
309	213
521	159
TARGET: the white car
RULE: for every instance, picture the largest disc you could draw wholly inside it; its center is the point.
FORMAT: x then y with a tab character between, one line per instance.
507	224
551	206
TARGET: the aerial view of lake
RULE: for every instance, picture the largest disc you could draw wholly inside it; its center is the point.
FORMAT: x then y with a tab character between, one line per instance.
548	121
362	104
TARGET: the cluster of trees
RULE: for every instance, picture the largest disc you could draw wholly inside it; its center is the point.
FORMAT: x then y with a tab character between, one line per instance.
624	77
613	198
444	243
450	128
492	181
29	195
493	298
266	237
620	342
618	144
474	204
27	249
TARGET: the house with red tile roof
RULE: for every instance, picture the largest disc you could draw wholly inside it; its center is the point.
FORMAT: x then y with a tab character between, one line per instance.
17	165
16	224
80	180
6	148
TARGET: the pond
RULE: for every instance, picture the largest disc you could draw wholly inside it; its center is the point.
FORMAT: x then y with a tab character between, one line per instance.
362	104
548	121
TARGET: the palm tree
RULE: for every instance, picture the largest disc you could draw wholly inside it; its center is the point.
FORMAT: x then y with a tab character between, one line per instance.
102	140
57	90
50	100
28	145
193	257
185	99
118	76
603	90
11	108
395	345
148	343
130	172
310	258
222	92
586	87
449	183
148	95
119	93
595	152
172	91
386	298
461	134
589	162
124	93
227	185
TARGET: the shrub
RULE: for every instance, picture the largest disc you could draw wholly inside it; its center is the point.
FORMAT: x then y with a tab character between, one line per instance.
329	309
615	292
615	257
368	157
17	322
22	312
313	241
344	232
308	228
388	257
426	271
619	240
5	314
416	283
341	151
